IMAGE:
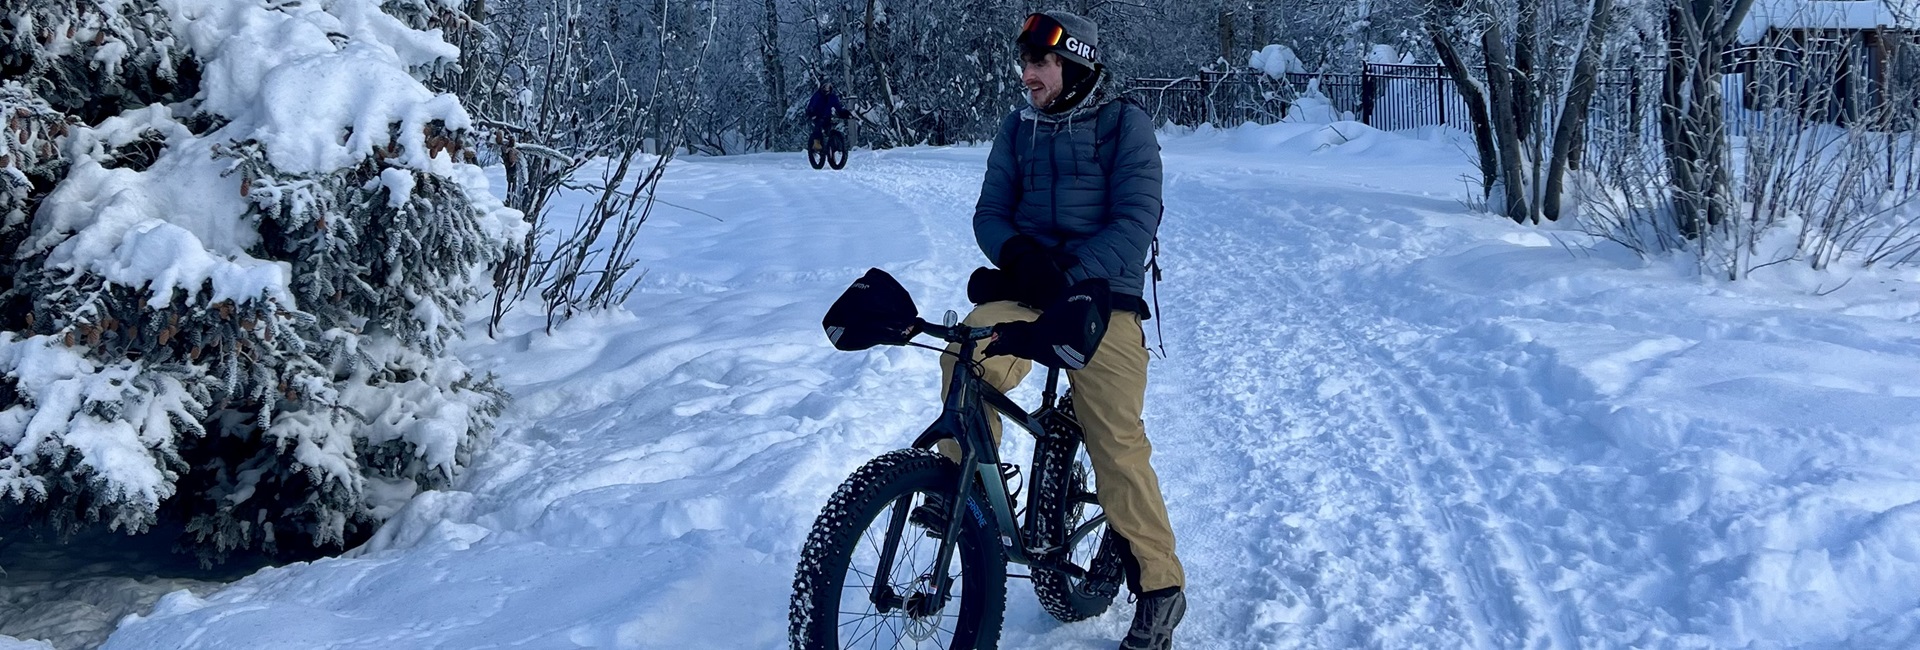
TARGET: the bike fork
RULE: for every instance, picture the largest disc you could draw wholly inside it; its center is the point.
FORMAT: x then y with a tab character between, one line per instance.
883	597
942	582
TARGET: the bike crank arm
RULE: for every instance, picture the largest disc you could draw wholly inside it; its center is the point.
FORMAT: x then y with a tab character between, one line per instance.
1060	566
1086	528
1055	558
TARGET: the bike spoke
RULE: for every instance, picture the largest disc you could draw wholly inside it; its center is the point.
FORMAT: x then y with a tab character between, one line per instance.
897	634
872	636
893	627
879	623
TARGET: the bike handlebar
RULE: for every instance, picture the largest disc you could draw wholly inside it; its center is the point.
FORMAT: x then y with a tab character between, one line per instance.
955	334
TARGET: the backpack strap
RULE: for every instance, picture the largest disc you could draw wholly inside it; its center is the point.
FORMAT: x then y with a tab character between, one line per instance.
1106	125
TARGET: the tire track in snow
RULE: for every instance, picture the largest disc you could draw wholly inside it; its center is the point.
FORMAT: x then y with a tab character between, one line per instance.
1488	579
1325	511
1499	573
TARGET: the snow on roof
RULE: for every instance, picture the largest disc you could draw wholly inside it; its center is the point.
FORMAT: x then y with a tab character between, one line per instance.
1820	14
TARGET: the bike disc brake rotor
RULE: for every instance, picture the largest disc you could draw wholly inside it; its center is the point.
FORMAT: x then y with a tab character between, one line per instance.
920	624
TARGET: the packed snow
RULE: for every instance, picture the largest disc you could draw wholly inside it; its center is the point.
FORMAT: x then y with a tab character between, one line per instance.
1384	420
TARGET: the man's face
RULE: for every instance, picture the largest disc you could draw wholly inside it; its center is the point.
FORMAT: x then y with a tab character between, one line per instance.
1042	78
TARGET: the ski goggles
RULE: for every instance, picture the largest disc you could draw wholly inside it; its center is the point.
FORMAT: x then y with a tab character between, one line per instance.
1043	32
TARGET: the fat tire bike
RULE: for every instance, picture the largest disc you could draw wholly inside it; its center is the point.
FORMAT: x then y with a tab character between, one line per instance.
827	147
870	577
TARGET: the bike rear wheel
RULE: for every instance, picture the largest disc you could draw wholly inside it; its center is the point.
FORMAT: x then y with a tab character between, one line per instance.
1064	498
833	606
837	150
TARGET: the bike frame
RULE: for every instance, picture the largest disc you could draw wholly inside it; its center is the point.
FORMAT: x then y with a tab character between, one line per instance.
963	419
822	129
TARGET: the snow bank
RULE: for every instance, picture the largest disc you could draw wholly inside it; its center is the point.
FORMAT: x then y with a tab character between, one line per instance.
1349	141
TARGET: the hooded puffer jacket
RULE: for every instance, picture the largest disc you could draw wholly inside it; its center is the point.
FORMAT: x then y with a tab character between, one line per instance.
1086	182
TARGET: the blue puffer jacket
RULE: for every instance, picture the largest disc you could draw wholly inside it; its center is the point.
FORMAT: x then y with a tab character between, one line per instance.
1046	179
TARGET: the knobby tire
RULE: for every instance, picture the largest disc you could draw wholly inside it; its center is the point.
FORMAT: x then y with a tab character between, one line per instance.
1055	509
857	517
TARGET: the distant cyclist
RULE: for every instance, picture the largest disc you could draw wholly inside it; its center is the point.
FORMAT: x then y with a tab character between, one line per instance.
823	107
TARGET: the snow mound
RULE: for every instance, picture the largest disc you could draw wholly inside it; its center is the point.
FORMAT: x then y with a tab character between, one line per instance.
1276	61
1339	140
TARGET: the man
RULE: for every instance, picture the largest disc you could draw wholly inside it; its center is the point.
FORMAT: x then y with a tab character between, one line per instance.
1072	192
823	106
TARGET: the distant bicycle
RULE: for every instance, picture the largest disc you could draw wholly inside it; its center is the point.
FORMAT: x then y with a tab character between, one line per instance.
892	563
827	146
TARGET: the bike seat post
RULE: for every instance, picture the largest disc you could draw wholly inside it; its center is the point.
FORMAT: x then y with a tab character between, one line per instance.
1051	392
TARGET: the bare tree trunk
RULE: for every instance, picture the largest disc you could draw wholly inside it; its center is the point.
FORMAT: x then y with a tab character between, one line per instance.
1692	122
1571	129
1525	94
1476	100
1529	88
1262	25
776	78
1506	123
1226	35
846	48
876	52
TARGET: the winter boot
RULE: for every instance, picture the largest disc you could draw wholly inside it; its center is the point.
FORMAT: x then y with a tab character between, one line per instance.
931	515
1154	618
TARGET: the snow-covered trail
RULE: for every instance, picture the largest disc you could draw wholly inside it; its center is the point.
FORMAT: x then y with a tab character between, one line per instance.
1384	422
1350	518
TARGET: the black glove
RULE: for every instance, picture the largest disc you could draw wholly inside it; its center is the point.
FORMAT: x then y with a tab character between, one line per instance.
1037	274
989	284
1067	333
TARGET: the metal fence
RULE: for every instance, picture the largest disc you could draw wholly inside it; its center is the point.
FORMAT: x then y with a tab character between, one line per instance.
1392	97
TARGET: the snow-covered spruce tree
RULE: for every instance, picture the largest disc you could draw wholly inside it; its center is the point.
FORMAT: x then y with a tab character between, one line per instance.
239	291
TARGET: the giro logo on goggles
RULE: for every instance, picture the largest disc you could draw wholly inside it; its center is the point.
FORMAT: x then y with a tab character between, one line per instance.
1079	47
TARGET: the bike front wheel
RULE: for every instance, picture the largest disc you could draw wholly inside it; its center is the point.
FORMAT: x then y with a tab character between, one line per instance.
840	600
837	150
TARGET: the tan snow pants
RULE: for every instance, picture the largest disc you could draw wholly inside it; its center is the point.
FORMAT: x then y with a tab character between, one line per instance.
1108	396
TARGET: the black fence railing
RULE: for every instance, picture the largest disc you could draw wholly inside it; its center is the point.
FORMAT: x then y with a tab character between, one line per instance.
1389	97
1394	97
